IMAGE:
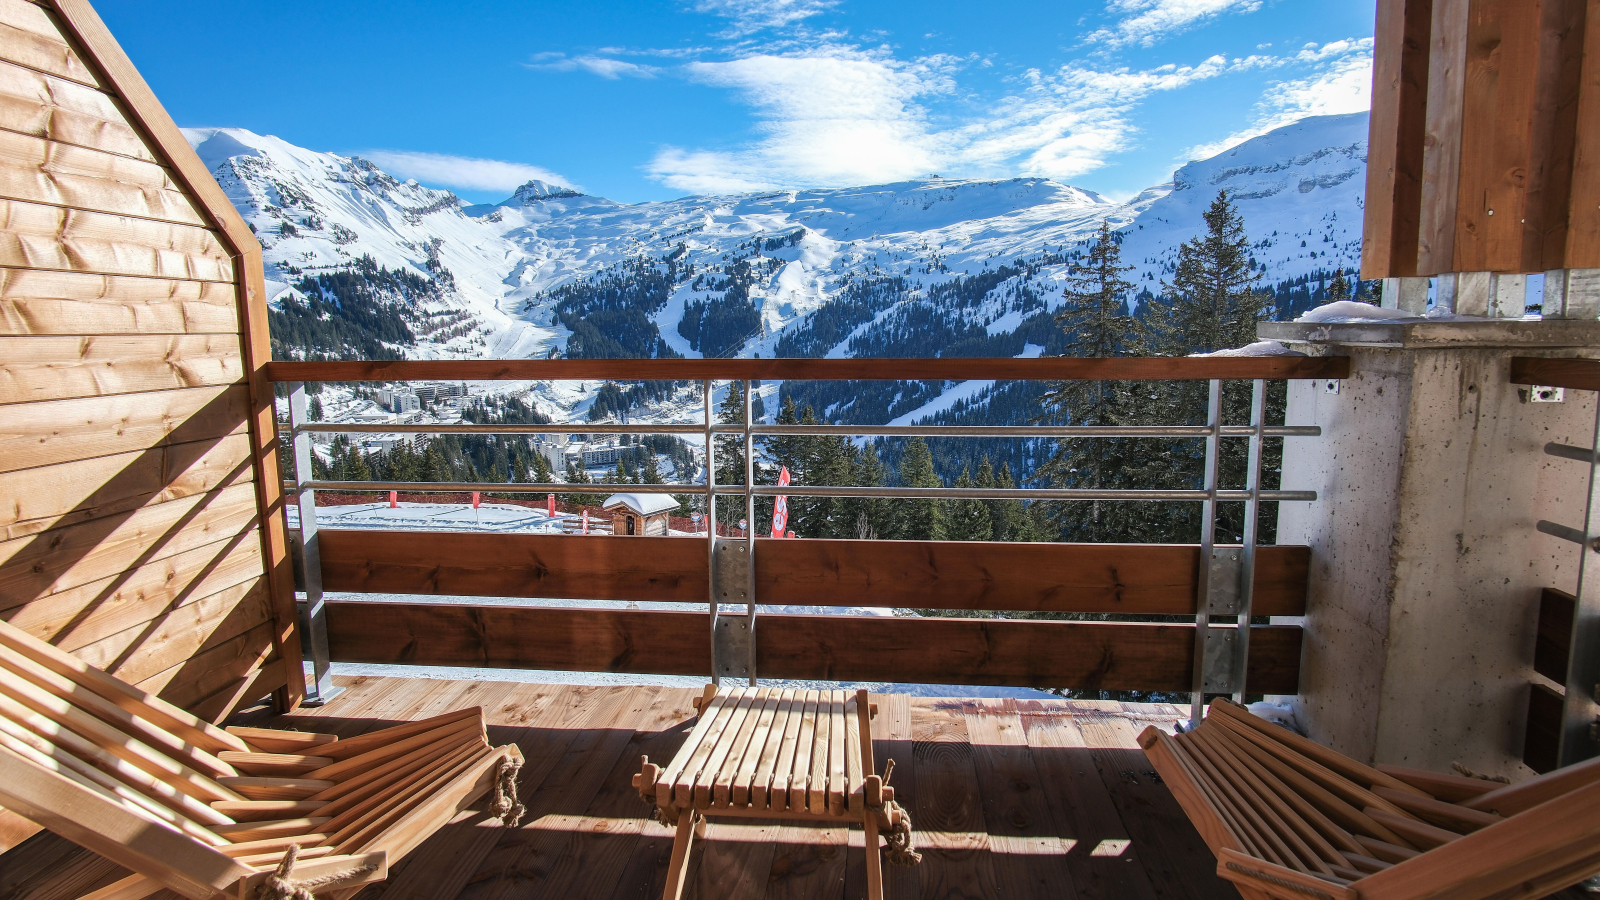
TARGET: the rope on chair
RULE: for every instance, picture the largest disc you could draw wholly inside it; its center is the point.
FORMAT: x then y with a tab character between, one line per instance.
505	806
280	885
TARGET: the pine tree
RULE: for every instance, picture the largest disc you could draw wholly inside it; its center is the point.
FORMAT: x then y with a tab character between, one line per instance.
868	518
920	520
577	475
1212	302
1338	288
315	411
651	473
1096	322
541	469
1008	518
969	519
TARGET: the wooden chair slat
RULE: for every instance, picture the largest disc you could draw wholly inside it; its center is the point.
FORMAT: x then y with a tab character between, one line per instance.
728	768
711	765
720	707
817	777
745	773
771	749
838	729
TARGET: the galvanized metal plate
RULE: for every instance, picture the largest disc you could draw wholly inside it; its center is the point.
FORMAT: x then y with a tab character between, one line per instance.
733	646
731	576
1223	578
1222	661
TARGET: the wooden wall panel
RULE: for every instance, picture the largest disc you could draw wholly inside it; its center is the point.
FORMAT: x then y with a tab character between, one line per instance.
35	302
59	431
43	171
62	367
1106	655
33	39
1126	579
37	236
1398	130
1583	219
62	110
1441	167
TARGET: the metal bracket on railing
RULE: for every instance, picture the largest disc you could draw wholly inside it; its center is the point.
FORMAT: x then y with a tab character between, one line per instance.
1222	594
313	614
732	635
1222	660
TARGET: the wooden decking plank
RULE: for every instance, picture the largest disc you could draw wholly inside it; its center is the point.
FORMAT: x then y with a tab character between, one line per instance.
1105	863
946	809
513	868
739	867
1030	857
1175	859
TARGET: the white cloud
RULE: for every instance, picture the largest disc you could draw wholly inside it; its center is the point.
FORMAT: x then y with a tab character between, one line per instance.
843	117
749	16
1146	21
605	67
1342	83
464	172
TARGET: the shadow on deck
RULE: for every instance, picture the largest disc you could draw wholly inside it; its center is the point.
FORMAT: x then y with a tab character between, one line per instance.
1013	799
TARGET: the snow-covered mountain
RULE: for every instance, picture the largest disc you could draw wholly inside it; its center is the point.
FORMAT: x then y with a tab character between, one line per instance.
934	266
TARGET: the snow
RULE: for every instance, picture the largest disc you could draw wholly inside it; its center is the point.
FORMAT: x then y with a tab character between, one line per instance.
965	390
1342	311
643	504
1259	348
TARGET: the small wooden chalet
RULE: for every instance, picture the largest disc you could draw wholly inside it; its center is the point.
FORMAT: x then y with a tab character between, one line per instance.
639	515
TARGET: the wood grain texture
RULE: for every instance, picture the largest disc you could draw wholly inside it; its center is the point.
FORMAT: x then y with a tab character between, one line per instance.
90	488
30	37
149	648
1396	138
58	431
200	676
1574	374
51	107
1497	118
1441	160
37	236
1113	578
68	557
1553	642
47	303
60	368
1046	368
1555	125
1104	655
38	170
1582	249
100	609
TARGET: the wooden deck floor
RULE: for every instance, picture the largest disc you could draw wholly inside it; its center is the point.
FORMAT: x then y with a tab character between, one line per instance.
1011	799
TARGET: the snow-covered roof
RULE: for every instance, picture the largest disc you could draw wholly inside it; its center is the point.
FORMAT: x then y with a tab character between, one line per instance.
643	504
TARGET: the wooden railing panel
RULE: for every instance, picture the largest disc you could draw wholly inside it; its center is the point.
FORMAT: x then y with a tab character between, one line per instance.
955	369
1575	374
1004	652
1128	579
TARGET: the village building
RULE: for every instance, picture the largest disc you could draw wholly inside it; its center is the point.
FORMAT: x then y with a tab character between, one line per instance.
639	515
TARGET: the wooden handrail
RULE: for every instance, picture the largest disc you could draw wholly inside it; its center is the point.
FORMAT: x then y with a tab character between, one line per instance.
1103	655
1054	368
1127	579
1577	374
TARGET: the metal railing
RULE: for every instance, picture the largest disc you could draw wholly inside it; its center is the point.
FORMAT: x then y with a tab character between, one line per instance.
1224	589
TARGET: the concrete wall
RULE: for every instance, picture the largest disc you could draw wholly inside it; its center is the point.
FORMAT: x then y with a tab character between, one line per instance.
1426	565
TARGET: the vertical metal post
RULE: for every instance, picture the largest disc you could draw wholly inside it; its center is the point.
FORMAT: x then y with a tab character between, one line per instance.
1252	516
750	520
1579	709
313	614
1208	535
711	531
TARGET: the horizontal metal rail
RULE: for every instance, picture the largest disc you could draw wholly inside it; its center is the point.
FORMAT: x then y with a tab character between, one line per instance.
955	431
798	490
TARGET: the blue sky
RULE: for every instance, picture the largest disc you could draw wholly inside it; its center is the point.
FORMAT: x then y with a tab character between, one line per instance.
641	101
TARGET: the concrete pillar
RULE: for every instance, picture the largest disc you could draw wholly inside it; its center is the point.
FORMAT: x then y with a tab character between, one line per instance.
1426	567
1571	294
1508	296
1408	294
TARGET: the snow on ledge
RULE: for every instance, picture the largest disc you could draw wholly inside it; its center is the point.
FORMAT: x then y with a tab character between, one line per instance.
1353	311
1259	348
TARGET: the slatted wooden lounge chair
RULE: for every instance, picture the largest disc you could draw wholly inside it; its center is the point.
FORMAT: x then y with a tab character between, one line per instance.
779	754
1290	819
208	812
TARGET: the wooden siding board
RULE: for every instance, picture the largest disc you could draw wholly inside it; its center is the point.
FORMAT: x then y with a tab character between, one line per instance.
1497	118
38	170
68	557
60	431
95	611
38	236
1105	655
199	677
1396	137
87	488
61	368
36	302
1441	167
1112	578
51	107
1561	36
29	36
151	647
1583	215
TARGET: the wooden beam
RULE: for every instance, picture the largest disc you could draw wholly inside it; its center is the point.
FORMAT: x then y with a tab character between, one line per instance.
1555	125
1441	161
1541	740
1129	579
1044	369
1497	137
1575	374
1107	655
1553	642
1395	139
1583	217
